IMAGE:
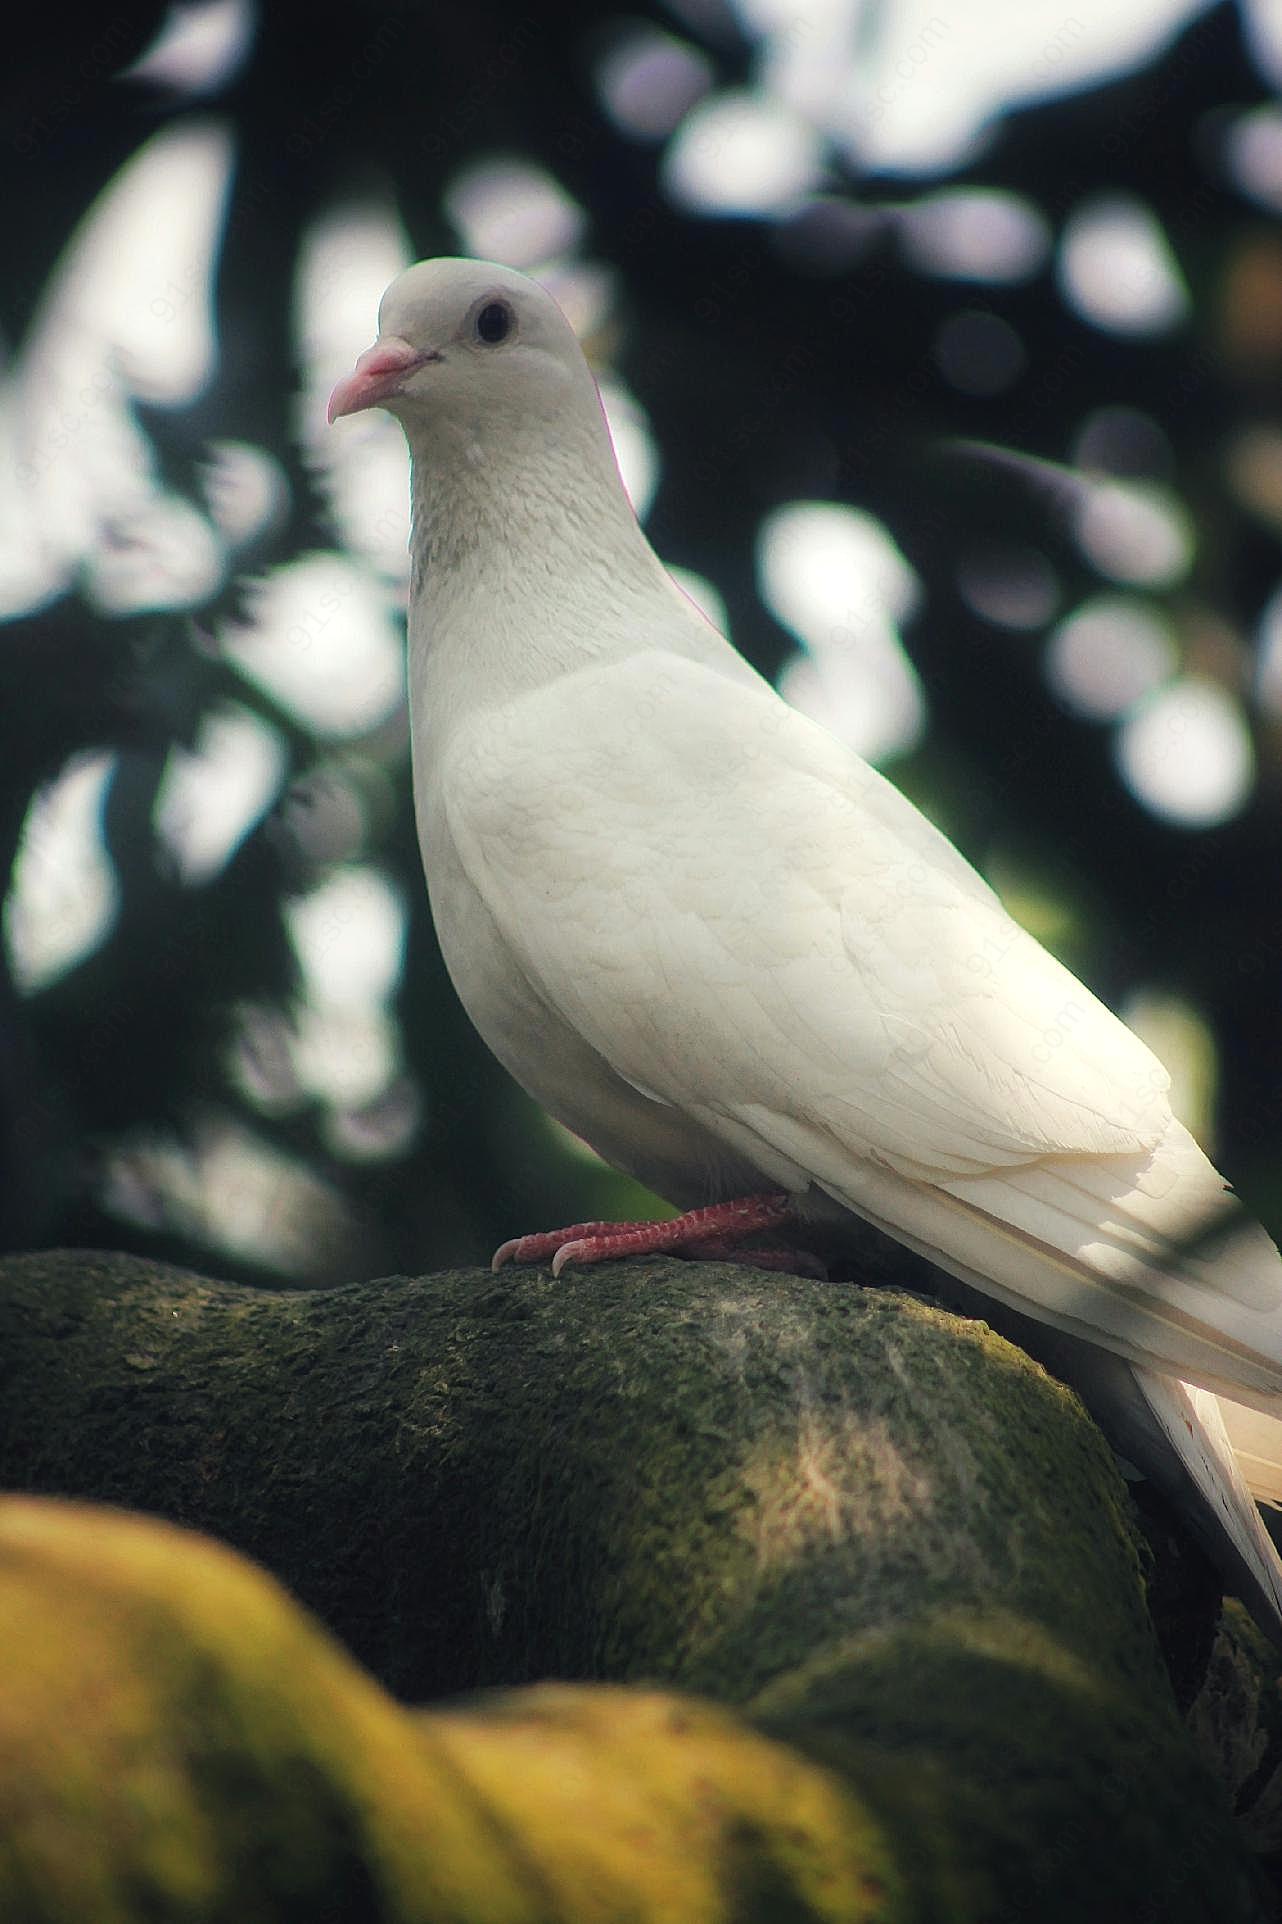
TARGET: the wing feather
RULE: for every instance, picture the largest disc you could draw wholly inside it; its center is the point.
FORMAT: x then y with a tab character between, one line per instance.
738	862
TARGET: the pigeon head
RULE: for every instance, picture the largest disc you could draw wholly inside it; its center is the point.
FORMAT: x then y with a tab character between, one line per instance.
466	340
510	454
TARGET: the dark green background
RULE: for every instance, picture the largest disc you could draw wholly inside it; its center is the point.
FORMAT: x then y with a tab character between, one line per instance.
711	311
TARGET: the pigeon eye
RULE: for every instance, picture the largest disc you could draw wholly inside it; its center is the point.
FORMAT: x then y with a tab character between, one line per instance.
494	323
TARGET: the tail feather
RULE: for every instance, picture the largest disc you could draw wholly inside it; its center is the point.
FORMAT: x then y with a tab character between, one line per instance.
1049	1246
1192	1422
1257	1445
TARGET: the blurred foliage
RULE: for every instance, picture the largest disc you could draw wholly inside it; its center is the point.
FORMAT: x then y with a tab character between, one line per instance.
782	358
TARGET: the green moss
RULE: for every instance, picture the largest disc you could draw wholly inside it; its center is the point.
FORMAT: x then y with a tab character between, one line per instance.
880	1532
178	1742
1008	1766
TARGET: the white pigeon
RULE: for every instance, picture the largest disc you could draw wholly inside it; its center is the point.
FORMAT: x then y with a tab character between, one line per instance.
726	952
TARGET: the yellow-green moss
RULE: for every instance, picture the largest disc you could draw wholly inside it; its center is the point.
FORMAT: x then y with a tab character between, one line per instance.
880	1533
178	1741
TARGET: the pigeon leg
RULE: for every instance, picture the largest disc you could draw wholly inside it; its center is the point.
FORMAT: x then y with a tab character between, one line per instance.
720	1224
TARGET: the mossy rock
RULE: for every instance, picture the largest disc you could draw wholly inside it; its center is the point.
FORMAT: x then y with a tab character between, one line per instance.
879	1533
178	1741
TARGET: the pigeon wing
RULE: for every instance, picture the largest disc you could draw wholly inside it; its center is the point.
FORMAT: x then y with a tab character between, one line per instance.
751	925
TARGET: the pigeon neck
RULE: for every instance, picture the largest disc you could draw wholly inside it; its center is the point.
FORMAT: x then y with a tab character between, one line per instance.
527	560
545	488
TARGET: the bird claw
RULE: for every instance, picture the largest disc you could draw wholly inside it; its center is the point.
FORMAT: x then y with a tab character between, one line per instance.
717	1229
585	1249
538	1247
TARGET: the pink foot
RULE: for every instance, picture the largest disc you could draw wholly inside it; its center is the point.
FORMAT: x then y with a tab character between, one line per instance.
721	1226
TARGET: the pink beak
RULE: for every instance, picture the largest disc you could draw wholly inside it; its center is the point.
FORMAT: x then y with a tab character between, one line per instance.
377	375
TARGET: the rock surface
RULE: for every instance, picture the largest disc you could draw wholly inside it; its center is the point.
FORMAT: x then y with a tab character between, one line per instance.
892	1550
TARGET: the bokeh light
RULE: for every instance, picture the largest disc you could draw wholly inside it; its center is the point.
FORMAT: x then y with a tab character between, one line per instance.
1013	586
1138	534
320	638
508	210
63	895
741	153
127	318
348	256
979	353
1186	753
649	80
1109	653
971	234
1118	270
210	796
201	45
835	577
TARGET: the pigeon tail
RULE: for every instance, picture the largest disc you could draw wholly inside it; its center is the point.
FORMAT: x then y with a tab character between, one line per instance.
1226	1519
